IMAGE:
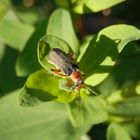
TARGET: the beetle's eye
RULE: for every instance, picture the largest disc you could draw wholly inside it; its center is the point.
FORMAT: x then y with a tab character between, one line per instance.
68	71
74	66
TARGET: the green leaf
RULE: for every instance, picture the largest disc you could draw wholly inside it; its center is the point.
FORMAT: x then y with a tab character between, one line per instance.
63	3
30	16
2	51
4	5
121	34
123	74
27	61
45	44
116	132
63	85
41	87
130	107
60	25
45	122
83	6
14	33
87	110
138	88
84	45
32	97
132	128
103	51
8	79
98	59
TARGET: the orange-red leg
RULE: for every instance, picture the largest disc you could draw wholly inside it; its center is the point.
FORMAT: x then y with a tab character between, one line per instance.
69	83
79	87
58	72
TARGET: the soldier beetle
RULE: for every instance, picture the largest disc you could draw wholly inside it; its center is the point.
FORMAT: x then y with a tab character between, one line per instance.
65	66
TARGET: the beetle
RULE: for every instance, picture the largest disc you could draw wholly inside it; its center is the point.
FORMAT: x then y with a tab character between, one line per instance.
65	66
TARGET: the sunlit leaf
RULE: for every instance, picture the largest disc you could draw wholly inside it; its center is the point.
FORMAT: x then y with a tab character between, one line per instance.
47	121
103	51
4	6
45	44
138	88
60	25
121	34
41	87
14	33
83	6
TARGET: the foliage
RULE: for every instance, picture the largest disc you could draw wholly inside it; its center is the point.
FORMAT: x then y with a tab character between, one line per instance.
46	107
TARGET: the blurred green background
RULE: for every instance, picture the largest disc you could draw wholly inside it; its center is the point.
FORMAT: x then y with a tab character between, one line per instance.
22	24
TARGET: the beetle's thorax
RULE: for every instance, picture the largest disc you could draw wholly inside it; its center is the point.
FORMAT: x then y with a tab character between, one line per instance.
76	76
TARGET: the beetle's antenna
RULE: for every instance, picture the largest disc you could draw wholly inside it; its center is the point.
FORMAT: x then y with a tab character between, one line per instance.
91	91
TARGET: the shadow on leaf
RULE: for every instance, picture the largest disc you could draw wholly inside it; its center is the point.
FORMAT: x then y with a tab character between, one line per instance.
99	56
32	97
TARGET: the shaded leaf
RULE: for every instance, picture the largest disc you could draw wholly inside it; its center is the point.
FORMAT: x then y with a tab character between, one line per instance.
30	16
103	51
130	107
122	73
2	51
84	45
41	122
132	128
98	59
8	79
27	60
60	25
63	3
87	110
32	97
116	132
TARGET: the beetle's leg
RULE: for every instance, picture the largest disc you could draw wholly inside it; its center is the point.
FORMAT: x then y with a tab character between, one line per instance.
72	56
69	83
58	72
80	86
55	70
